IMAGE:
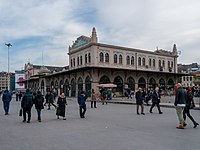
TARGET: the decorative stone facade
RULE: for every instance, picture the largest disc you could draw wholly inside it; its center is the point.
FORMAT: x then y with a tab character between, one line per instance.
92	63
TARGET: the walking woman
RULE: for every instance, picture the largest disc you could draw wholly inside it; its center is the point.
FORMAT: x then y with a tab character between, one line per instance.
189	104
62	102
93	99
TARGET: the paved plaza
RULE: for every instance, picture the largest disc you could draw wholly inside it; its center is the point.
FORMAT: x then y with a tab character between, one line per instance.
109	127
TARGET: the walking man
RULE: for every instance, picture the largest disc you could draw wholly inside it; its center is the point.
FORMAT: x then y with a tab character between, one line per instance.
93	99
139	101
156	100
39	101
26	104
82	105
49	99
6	98
180	103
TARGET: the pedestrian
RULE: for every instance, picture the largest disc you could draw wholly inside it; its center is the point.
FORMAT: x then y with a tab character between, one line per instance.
156	100
17	96
20	96
93	99
129	93
82	104
139	101
39	104
6	98
189	105
180	103
26	104
49	99
104	95
62	102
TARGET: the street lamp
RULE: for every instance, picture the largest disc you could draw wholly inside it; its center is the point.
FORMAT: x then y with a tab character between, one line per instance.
8	77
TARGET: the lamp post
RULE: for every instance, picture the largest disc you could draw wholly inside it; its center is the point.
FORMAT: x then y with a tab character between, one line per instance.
8	77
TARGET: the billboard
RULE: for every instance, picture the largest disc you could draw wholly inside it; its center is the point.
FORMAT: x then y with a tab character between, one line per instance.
19	77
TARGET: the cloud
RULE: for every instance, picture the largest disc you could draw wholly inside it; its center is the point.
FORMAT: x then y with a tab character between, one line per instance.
50	26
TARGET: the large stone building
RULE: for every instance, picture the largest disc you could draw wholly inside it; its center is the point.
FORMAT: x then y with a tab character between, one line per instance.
92	63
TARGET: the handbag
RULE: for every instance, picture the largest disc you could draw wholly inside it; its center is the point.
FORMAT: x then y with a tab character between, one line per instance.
20	112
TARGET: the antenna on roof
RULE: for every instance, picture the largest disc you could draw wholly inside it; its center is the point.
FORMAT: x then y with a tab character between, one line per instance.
42	58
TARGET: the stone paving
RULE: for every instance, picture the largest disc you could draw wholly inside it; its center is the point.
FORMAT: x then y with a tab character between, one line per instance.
109	127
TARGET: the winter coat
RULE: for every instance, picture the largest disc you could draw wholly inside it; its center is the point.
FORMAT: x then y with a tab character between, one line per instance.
181	96
156	97
93	98
139	98
62	102
27	100
49	98
82	100
39	101
6	96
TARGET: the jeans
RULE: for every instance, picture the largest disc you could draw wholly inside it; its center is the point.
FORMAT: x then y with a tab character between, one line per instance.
39	114
95	104
82	110
28	111
187	111
179	111
6	106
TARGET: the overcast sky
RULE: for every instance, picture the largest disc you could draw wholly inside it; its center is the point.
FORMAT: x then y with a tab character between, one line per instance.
33	26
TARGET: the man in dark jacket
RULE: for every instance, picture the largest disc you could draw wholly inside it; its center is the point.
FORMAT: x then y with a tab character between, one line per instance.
6	98
180	103
39	101
82	105
26	104
139	101
156	100
49	99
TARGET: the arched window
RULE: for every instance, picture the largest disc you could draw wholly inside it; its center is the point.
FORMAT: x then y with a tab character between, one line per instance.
142	83
101	57
187	78
163	63
119	82
81	60
74	62
172	64
154	63
131	83
80	85
159	63
127	60
73	87
168	64
107	57
150	62
88	86
89	57
120	59
132	60
71	63
184	78
66	87
143	61
86	58
139	61
78	61
104	79
190	78
115	58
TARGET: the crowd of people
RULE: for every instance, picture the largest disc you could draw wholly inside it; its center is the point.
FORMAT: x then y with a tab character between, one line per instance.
183	103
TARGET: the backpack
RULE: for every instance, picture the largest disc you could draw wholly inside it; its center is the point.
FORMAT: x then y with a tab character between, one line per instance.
39	100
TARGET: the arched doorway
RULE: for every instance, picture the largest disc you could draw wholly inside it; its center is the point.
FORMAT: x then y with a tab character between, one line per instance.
73	87
52	85
131	83
56	87
42	87
104	79
162	84
170	84
66	87
119	82
80	85
61	86
88	86
152	84
142	83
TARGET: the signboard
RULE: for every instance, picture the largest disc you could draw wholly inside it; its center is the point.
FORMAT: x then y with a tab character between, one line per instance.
19	78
